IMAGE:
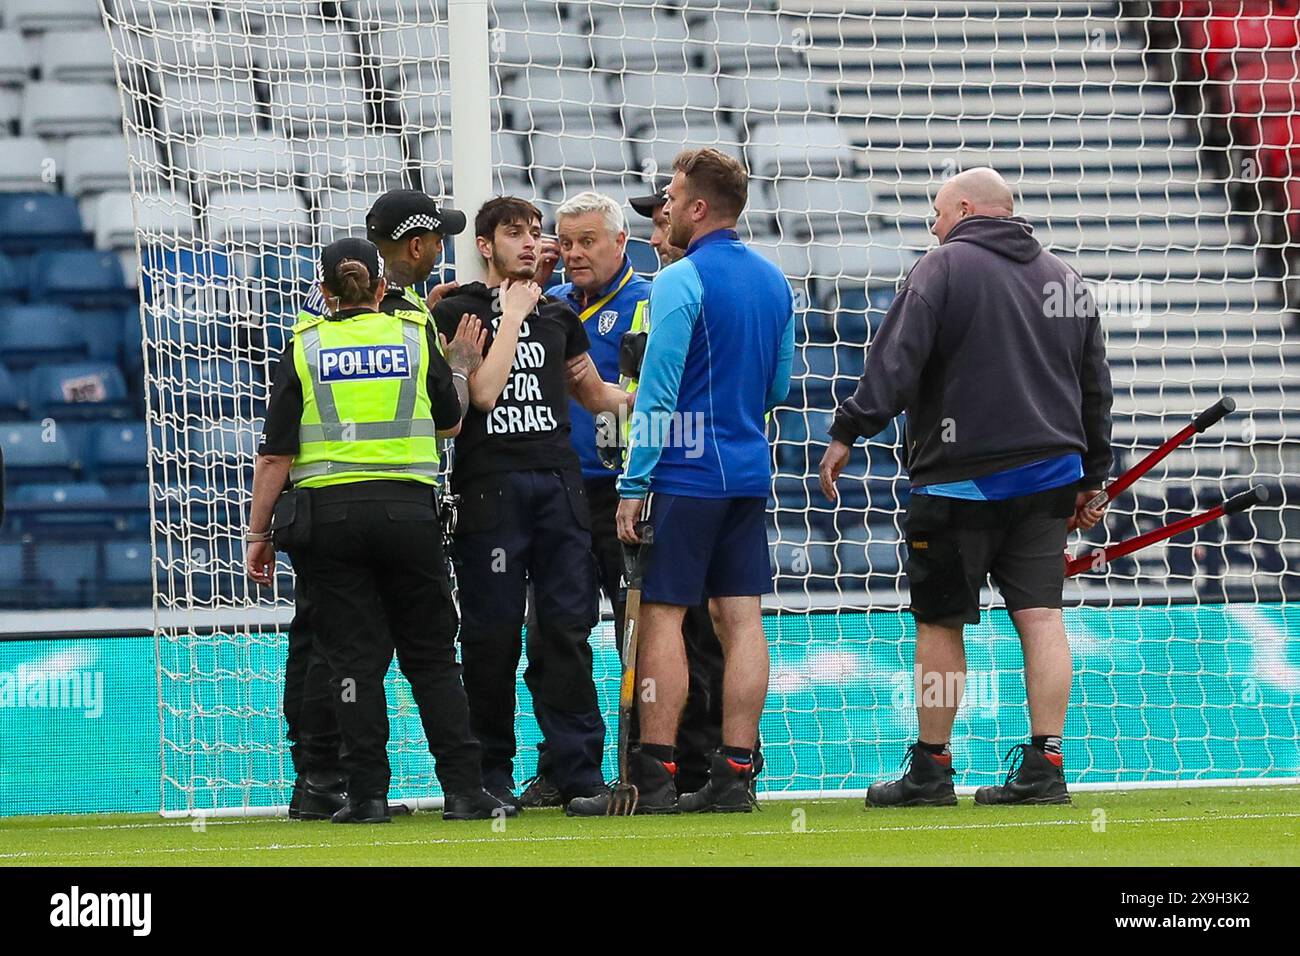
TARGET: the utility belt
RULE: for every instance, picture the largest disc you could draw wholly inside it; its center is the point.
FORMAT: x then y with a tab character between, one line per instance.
291	517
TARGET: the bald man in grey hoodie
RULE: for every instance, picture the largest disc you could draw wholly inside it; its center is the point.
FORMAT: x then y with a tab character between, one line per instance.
994	349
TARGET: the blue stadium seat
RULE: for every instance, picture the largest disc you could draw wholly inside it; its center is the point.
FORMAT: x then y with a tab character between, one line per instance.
117	452
128	573
80	390
87	278
643	256
222	388
103	330
38	452
287	274
13	575
132	344
75	509
13	278
13	400
41	334
30	222
183	269
66	573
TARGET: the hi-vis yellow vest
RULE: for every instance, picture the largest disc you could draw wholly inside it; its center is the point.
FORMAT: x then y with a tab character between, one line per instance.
640	321
366	413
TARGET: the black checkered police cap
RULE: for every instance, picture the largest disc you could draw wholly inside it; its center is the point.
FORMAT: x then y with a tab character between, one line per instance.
399	212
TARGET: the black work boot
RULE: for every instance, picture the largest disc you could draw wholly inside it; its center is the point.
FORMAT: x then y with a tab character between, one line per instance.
656	790
539	792
726	792
476	806
1032	778
317	796
373	810
927	783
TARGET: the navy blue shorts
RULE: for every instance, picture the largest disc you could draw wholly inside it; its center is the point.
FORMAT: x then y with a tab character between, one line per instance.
706	547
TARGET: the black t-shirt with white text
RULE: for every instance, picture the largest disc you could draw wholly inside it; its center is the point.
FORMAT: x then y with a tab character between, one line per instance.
529	426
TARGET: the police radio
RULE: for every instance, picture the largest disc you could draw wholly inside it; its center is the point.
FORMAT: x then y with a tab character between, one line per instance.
631	353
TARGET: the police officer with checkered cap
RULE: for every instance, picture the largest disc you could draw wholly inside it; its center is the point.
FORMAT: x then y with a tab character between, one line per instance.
409	227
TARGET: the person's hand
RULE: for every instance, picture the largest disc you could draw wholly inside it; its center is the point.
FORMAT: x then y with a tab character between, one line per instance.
833	462
519	298
576	370
1085	518
465	351
626	518
439	292
259	560
548	255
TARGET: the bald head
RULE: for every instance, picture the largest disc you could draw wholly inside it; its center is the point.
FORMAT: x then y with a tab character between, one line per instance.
973	192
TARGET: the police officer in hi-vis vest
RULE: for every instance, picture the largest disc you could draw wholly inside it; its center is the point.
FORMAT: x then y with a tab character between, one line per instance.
409	229
358	401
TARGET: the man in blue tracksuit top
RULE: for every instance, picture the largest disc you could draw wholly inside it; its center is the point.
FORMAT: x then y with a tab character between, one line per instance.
699	470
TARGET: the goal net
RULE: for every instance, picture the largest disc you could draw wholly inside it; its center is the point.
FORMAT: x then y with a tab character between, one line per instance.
260	130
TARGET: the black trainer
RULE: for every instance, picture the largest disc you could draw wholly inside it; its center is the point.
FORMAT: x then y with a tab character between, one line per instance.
374	810
753	777
656	789
476	806
1032	778
539	793
728	789
927	783
506	796
317	796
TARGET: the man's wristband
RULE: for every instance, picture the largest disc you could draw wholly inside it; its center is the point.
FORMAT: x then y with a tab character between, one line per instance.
458	373
253	537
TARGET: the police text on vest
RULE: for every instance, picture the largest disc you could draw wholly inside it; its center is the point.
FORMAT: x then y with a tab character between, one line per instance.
353	362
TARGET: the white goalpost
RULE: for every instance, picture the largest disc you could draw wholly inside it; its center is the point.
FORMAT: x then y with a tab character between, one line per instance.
261	129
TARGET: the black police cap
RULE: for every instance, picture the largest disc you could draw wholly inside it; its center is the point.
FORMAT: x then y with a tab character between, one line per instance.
362	250
400	212
646	205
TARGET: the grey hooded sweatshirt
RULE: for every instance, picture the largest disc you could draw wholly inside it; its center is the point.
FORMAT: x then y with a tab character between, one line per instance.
994	349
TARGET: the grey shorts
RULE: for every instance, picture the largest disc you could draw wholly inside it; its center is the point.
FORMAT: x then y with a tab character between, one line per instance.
953	545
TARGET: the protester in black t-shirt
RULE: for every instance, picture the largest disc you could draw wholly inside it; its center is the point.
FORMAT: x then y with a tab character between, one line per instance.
523	515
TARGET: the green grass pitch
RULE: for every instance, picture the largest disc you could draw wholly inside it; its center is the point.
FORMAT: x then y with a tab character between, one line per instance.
1216	827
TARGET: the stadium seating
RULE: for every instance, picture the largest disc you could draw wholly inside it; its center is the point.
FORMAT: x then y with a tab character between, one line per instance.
32	221
81	277
116	453
76	510
35	16
36	334
39	452
78	390
97	164
128	573
81	56
26	165
66	573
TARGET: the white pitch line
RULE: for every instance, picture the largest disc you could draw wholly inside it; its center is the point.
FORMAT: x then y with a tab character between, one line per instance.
611	837
214	821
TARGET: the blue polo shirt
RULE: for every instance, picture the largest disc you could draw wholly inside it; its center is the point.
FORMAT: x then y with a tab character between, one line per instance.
718	358
605	318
